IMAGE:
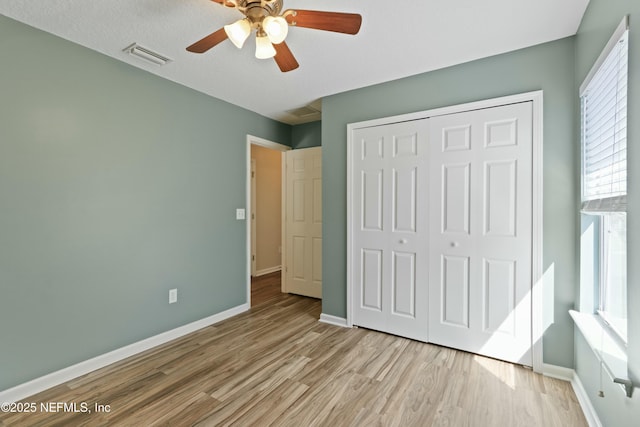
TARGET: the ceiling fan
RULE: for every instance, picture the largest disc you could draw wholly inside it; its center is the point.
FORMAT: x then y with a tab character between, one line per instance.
272	26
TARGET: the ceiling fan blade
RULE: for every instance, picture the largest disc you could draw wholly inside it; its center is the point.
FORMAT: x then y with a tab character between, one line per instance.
347	23
208	42
284	58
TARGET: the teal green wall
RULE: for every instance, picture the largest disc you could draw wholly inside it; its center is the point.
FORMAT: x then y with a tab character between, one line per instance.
115	186
548	67
599	22
306	135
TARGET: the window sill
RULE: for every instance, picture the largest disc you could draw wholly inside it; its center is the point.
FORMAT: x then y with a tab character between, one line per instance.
607	349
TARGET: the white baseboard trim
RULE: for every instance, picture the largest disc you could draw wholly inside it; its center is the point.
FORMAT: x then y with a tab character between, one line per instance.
334	320
53	379
570	375
558	372
587	408
268	270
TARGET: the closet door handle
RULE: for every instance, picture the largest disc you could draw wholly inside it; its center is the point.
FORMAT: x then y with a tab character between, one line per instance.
455	244
403	241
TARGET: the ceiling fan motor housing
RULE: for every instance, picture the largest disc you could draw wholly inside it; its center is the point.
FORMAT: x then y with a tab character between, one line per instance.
257	10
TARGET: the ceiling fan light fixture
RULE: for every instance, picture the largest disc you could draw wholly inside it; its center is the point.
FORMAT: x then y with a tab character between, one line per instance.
276	28
264	48
238	32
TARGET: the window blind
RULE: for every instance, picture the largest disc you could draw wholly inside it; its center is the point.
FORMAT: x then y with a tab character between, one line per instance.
604	133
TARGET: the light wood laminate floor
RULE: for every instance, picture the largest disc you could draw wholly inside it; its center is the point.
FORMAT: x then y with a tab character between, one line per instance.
277	365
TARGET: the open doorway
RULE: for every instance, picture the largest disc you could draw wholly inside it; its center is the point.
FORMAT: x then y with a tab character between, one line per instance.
266	210
264	221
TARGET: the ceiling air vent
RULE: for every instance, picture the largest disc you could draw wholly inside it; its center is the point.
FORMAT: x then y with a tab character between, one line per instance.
304	112
148	55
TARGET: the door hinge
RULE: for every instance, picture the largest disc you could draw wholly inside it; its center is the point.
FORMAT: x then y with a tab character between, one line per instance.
253	257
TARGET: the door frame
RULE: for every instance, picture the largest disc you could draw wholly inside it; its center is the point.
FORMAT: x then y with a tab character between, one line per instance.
537	295
251	216
255	140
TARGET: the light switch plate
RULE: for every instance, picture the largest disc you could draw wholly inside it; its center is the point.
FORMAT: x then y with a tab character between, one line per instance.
240	214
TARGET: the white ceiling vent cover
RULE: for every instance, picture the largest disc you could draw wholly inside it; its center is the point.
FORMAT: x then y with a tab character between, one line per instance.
148	55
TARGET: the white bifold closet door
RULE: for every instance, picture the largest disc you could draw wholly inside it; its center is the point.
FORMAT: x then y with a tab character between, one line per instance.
442	230
480	232
390	210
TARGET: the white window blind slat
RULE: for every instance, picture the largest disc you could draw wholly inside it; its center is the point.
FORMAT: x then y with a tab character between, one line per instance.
610	204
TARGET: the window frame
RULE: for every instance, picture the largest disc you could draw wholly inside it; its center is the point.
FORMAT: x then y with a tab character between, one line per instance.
603	249
600	207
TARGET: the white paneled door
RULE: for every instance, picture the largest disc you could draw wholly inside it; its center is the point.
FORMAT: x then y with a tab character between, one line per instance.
480	232
303	222
441	230
390	211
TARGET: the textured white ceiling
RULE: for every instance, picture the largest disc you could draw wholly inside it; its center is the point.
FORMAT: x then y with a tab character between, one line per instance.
398	38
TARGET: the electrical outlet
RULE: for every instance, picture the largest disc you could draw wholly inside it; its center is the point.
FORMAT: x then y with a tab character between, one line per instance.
173	296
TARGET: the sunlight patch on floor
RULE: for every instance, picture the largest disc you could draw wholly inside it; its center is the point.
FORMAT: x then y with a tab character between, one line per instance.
503	371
